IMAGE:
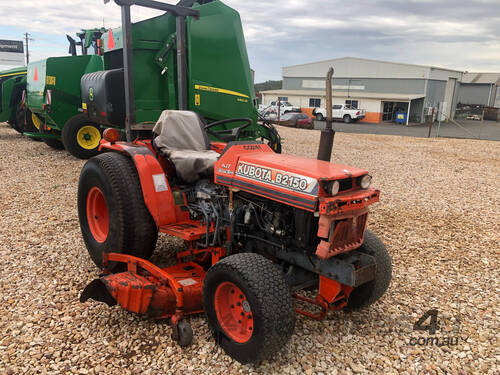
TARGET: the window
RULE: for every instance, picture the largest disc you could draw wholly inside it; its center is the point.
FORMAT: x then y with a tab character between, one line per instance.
337	106
353	103
313	102
302	116
283	98
288	116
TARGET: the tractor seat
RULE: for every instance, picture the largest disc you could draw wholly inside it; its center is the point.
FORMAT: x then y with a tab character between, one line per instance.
181	137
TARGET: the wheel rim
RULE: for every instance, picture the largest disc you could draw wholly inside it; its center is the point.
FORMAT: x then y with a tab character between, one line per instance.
88	137
234	312
97	214
36	121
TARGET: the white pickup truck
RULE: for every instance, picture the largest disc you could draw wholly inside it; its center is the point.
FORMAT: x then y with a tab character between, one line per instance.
285	107
344	112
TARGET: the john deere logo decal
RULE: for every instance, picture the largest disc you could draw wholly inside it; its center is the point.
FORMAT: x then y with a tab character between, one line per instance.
91	94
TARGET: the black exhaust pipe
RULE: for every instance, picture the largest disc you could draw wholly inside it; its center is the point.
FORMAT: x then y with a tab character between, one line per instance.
327	134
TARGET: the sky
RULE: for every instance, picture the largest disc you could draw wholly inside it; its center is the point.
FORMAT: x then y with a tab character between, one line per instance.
462	35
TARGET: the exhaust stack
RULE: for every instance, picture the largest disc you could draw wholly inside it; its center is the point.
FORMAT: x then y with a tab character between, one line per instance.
327	134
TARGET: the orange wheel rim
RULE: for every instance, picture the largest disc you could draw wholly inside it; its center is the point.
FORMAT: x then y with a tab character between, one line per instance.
234	312
97	214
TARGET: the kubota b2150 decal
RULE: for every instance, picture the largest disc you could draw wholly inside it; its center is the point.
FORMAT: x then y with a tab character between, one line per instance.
279	178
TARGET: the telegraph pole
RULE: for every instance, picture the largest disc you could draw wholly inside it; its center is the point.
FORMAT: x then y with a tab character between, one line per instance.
27	38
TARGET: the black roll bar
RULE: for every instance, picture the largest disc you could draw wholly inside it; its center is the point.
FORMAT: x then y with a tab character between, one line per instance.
180	13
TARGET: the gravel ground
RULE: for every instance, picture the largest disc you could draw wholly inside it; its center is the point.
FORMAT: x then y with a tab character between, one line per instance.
438	215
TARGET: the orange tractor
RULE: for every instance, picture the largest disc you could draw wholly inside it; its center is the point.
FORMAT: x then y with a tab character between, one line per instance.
263	231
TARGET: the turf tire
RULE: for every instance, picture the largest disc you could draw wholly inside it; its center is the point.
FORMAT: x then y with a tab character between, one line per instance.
370	292
69	137
271	304
132	230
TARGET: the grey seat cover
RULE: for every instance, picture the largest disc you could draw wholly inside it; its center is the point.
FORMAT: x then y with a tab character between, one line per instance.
183	140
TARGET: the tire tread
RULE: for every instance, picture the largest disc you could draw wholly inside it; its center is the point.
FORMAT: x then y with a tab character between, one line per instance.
272	292
369	293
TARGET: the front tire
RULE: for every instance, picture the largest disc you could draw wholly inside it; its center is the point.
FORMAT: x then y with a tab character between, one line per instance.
319	117
80	137
113	215
370	292
248	306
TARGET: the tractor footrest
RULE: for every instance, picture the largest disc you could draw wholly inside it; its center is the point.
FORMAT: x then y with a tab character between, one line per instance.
188	230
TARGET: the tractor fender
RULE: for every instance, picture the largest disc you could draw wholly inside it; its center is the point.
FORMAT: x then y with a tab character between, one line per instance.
155	187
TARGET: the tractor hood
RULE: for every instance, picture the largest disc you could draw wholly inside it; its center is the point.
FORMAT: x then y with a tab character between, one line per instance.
287	178
317	169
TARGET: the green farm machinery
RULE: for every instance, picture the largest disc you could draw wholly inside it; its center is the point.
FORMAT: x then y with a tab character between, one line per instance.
53	96
12	88
41	99
195	62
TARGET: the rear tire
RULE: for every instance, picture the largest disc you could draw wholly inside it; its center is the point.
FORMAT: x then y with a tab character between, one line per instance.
130	229
33	125
370	292
80	137
30	127
347	119
56	144
267	310
18	123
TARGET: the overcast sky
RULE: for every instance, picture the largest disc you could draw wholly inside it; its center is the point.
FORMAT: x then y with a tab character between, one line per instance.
456	34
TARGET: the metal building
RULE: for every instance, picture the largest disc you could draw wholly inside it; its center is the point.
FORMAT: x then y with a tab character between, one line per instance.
382	88
480	89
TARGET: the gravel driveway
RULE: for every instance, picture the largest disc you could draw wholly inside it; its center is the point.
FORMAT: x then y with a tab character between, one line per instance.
439	217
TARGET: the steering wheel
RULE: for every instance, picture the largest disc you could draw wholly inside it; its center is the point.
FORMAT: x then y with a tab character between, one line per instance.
228	135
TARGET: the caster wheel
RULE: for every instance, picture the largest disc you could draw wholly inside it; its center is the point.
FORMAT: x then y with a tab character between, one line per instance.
182	333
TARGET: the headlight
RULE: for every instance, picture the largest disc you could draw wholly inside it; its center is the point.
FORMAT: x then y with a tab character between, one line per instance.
365	182
334	188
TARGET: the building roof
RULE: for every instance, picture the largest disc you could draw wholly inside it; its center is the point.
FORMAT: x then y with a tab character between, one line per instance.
340	94
488	78
355	67
373	61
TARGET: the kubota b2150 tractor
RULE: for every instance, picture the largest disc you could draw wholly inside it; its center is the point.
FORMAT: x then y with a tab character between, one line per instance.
259	227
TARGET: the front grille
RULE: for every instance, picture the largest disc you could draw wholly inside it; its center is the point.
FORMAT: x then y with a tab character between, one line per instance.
345	235
345	184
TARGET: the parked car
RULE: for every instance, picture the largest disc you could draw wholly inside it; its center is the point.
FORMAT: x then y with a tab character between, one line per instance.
344	112
296	120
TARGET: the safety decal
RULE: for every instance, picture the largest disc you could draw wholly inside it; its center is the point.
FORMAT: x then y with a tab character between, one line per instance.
160	182
187	282
50	80
276	177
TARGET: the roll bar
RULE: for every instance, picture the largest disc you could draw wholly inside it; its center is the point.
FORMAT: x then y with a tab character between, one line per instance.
180	13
